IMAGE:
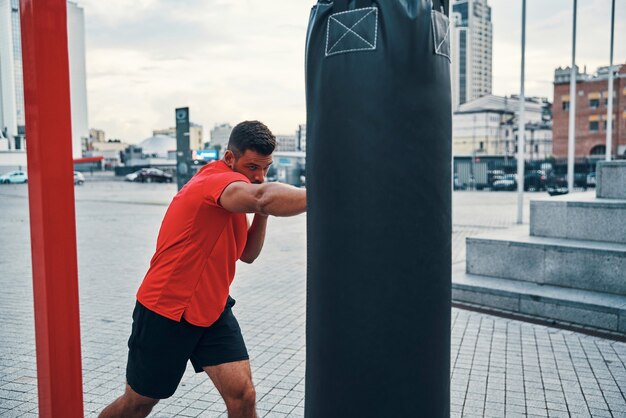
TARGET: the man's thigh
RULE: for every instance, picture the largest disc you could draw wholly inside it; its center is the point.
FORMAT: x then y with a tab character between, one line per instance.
221	343
231	379
158	352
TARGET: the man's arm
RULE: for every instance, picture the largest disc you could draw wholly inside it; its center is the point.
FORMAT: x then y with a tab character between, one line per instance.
256	238
274	199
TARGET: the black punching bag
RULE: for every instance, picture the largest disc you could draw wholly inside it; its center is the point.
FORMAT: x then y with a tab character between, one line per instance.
379	209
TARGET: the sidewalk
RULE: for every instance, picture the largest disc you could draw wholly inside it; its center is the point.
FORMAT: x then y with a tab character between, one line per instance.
500	367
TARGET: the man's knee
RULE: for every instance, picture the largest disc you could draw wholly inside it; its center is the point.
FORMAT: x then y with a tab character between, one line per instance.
245	395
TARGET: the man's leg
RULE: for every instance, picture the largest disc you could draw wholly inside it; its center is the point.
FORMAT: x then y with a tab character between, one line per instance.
129	405
234	382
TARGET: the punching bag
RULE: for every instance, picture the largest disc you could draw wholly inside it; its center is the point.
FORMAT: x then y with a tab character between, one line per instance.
379	209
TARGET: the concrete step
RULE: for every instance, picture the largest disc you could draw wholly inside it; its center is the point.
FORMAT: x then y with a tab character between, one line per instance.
592	219
513	254
603	311
611	179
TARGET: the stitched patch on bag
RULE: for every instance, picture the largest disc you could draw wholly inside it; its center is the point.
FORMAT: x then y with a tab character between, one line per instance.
353	30
441	33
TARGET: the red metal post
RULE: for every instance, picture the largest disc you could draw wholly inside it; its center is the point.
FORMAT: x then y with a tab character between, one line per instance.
51	198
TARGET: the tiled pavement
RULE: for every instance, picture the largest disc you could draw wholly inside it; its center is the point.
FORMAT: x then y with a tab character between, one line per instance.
500	367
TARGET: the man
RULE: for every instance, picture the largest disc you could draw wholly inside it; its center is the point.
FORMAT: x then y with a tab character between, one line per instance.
183	309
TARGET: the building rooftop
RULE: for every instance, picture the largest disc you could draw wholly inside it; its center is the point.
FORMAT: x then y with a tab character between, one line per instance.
499	104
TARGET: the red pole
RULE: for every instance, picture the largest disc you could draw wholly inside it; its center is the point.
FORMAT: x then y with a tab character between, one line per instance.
51	199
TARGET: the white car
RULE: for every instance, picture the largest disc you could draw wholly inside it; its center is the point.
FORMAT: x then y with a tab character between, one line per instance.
17	176
78	178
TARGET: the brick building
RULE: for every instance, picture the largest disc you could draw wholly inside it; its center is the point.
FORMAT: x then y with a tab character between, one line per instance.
591	112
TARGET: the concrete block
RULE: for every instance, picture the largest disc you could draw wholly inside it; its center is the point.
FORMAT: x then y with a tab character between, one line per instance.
588	265
611	179
483	298
574	314
548	219
505	259
600	271
596	220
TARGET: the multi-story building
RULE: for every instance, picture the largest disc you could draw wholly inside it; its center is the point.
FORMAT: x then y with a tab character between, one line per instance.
286	143
96	135
471	50
591	112
220	134
196	133
12	114
488	126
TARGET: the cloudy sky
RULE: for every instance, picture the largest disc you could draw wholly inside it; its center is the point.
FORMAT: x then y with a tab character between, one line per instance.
230	60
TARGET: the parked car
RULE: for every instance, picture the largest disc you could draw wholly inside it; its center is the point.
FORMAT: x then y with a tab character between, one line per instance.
507	182
556	184
535	180
150	175
591	179
78	178
493	175
17	176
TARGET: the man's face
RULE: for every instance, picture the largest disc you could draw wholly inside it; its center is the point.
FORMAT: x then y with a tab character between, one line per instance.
251	164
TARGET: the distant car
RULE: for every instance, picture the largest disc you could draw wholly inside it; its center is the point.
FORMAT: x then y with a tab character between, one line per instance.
556	184
591	179
150	175
535	180
78	178
507	183
493	175
17	176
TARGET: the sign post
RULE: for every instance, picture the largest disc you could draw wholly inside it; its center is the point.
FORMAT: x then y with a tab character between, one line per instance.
183	152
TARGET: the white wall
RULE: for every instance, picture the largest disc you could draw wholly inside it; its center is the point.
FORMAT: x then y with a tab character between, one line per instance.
78	77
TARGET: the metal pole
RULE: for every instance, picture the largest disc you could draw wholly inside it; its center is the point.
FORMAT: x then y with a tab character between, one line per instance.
51	203
572	111
521	129
609	113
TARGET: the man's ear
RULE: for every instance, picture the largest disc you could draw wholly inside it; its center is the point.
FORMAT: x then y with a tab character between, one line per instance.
229	159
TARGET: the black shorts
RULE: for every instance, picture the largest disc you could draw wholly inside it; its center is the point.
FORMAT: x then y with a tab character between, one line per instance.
160	347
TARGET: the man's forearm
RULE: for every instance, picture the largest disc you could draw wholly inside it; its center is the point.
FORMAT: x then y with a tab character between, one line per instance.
279	199
256	238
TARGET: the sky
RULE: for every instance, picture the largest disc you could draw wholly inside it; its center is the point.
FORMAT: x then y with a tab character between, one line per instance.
232	60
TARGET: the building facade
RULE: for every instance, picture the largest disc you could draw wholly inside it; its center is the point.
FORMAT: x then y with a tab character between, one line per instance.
220	134
12	113
471	50
286	143
196	133
488	126
591	112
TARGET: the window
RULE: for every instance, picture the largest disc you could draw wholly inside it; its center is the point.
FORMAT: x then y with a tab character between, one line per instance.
594	103
593	126
566	105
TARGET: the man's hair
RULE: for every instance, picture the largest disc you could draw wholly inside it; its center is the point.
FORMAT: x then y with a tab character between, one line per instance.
251	135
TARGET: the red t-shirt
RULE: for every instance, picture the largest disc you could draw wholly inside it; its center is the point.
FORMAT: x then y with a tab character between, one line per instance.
197	248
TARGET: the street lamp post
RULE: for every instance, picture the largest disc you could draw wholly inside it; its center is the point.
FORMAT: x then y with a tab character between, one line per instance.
572	110
609	115
521	126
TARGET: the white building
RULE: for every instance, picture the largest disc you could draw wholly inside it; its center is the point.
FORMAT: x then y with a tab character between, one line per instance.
471	50
286	143
196	133
220	134
12	114
488	126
